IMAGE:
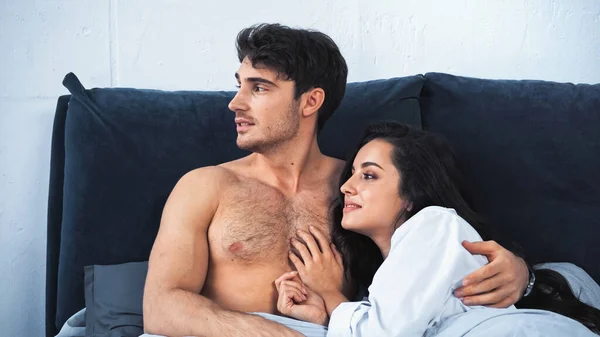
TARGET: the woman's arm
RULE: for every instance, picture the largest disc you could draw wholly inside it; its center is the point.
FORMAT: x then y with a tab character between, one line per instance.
411	288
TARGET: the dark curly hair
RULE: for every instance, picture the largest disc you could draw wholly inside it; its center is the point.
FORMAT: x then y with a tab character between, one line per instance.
309	58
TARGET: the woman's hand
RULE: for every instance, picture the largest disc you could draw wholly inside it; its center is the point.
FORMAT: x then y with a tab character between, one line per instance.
299	302
321	267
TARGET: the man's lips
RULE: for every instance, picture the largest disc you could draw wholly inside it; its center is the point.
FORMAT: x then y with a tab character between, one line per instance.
243	124
243	121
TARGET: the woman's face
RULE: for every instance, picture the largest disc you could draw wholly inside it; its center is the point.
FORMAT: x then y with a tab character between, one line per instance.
372	202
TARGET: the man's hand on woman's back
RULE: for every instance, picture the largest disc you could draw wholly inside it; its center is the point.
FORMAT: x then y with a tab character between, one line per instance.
500	283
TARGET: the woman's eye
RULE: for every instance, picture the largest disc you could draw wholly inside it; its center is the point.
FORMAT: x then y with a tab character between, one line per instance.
368	176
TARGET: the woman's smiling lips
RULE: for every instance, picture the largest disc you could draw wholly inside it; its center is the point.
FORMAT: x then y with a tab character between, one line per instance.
350	206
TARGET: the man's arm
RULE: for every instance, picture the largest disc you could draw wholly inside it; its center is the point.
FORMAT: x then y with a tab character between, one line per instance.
178	265
501	283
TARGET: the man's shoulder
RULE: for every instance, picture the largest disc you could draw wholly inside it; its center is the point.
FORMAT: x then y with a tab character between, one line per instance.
333	170
335	161
238	167
206	179
336	165
216	173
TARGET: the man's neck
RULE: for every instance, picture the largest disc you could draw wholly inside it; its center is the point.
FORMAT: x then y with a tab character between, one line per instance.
289	165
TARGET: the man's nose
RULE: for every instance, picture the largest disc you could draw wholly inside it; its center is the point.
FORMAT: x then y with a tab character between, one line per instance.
238	103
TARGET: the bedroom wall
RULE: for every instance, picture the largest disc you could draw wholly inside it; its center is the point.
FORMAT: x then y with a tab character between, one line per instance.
176	44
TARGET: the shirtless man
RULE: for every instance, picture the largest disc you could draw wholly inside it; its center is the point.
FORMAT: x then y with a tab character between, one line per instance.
225	231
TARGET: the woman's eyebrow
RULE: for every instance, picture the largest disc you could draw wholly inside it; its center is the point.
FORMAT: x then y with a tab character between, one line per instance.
370	163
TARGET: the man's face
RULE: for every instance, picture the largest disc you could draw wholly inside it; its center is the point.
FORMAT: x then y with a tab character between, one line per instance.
266	113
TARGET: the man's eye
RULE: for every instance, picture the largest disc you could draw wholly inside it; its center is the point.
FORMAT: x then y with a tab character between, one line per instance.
259	88
238	86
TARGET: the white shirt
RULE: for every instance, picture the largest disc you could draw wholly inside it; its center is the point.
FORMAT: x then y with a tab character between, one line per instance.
412	291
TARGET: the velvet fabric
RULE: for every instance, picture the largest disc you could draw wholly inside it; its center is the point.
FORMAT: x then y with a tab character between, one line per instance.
531	151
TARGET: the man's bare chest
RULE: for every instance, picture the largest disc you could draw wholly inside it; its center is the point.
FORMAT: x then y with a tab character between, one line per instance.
255	222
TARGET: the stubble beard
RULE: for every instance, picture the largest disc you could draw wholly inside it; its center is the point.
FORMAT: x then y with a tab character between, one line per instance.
274	136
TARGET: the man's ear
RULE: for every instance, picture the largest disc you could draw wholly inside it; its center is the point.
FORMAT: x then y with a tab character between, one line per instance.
312	101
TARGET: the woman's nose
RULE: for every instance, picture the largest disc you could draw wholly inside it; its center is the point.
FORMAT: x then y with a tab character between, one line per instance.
348	187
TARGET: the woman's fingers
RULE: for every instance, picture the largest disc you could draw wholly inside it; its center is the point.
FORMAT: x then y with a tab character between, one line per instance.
287	276
296	285
304	253
336	255
285	302
297	263
315	252
292	290
323	242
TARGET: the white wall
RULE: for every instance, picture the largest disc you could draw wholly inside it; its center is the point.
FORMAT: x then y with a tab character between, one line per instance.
176	44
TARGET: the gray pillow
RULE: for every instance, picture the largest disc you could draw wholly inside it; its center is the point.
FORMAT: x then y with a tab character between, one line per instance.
113	299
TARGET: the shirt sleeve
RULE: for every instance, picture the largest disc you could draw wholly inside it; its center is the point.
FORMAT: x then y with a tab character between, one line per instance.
425	264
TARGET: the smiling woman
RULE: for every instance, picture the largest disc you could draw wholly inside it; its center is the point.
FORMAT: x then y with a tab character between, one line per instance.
404	201
372	190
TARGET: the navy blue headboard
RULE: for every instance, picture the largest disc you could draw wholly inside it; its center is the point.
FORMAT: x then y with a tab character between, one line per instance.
531	151
118	152
55	203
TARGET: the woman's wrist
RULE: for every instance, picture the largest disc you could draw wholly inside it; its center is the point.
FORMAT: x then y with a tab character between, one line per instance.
332	300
